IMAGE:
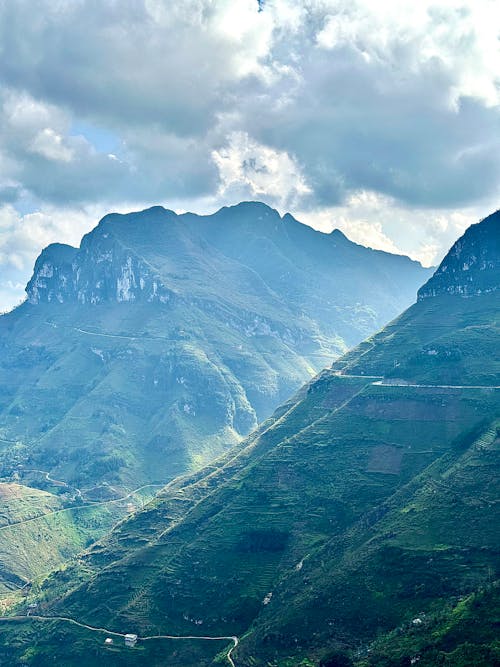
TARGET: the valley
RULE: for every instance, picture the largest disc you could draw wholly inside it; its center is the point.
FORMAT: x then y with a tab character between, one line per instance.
249	333
160	343
364	502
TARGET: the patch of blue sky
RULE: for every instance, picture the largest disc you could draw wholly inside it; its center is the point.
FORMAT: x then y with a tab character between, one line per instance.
26	204
102	139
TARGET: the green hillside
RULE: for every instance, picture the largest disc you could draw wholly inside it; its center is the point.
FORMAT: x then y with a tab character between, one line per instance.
462	633
442	340
164	339
161	342
366	502
40	529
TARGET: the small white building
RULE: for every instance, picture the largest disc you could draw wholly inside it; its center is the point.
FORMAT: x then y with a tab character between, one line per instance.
130	640
108	641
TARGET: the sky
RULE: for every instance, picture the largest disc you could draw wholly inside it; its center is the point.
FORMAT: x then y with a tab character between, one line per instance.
378	118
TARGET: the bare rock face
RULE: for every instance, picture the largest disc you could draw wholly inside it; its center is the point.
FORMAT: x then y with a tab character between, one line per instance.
52	278
472	266
101	270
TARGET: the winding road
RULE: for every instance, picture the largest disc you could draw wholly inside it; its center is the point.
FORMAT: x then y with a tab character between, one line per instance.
112	633
57	482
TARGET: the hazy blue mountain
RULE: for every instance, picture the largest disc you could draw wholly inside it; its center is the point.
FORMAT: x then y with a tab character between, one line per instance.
366	502
157	344
165	338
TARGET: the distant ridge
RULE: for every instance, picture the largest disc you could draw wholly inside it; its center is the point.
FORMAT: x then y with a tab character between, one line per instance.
85	274
164	339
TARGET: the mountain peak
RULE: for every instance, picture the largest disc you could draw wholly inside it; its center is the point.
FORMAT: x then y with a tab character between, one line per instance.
51	280
249	208
472	266
143	256
338	235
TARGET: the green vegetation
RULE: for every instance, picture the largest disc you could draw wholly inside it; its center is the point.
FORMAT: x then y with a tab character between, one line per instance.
459	633
159	344
40	530
165	339
357	526
443	340
44	643
342	547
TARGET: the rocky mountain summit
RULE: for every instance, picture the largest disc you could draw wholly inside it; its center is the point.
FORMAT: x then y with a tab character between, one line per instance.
472	266
157	255
101	270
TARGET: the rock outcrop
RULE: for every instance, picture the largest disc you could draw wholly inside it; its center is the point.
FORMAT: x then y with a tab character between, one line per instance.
101	270
472	266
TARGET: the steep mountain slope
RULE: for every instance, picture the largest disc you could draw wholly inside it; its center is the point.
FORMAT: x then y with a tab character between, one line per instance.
161	341
459	634
471	266
164	339
367	501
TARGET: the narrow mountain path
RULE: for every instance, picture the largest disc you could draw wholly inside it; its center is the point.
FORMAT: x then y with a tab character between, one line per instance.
381	381
104	335
113	633
388	383
108	335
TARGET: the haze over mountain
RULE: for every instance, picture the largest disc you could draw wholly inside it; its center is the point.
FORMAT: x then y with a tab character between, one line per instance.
163	338
365	503
156	345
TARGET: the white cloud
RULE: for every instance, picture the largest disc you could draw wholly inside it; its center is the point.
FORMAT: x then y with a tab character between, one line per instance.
397	98
379	222
462	35
23	236
384	116
49	144
248	170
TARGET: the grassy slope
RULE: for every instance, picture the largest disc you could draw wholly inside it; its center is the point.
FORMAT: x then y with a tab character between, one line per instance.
41	529
357	507
445	340
433	541
459	633
113	395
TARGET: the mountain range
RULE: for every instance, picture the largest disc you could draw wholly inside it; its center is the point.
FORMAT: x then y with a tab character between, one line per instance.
156	345
355	526
165	338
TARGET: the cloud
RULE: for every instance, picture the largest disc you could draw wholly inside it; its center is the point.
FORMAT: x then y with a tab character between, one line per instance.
50	145
314	105
23	236
400	100
248	170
